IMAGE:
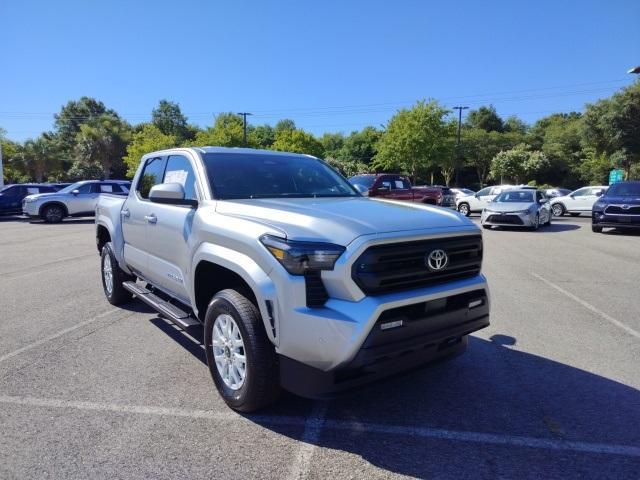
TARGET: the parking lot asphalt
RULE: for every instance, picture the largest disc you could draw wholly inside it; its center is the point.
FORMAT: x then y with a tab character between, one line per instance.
550	390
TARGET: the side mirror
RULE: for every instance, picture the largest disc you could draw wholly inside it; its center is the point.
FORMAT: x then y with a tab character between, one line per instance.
599	194
170	193
543	200
75	192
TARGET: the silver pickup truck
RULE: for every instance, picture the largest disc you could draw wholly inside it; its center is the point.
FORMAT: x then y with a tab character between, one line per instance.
301	283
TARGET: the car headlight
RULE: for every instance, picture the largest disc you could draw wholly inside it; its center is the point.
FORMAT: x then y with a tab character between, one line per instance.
30	199
527	211
298	257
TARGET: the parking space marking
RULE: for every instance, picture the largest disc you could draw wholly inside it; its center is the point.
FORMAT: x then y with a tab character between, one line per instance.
56	335
588	306
316	422
312	429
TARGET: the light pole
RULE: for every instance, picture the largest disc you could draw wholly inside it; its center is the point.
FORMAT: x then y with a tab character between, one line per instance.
1	172
244	123
634	70
458	141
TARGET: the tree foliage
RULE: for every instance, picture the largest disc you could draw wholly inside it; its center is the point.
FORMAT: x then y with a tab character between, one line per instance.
297	141
169	119
485	118
148	139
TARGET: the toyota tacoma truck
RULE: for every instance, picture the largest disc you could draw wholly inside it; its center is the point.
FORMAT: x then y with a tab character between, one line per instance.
301	283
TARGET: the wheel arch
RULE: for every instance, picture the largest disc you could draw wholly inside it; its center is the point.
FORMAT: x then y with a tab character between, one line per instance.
51	203
216	268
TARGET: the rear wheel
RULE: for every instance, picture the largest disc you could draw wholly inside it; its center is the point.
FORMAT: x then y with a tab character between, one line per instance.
113	277
464	209
557	209
241	359
53	214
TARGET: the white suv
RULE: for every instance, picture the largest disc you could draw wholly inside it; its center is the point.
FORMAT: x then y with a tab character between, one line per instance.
578	201
477	202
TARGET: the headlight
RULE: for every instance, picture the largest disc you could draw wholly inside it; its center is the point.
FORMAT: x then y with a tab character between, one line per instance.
30	199
298	257
527	211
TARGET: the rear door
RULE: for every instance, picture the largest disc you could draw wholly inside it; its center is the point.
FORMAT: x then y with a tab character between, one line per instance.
11	199
135	213
169	239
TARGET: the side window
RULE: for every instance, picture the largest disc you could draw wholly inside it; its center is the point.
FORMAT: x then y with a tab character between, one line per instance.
405	184
179	170
581	193
539	196
596	191
87	188
151	175
484	191
385	184
33	190
108	188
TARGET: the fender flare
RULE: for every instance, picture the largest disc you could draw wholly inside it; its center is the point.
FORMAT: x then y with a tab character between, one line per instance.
254	276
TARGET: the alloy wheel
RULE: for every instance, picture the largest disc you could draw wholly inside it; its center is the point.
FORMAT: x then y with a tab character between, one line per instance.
107	274
229	352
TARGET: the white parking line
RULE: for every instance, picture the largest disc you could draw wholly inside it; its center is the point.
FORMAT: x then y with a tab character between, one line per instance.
588	306
317	421
313	426
55	335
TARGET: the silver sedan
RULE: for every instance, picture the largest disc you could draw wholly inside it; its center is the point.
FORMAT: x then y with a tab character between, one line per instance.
518	208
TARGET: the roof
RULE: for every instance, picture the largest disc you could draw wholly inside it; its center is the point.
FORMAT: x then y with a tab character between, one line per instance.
246	151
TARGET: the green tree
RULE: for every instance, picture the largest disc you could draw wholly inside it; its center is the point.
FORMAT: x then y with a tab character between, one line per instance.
612	126
103	141
261	136
515	125
414	139
285	124
75	113
485	118
331	144
360	146
227	131
169	119
148	139
518	163
297	141
40	156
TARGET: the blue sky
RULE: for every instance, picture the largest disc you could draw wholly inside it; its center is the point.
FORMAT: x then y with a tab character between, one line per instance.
328	65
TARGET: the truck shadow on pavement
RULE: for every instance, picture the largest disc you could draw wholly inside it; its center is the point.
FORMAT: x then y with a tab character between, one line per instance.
481	415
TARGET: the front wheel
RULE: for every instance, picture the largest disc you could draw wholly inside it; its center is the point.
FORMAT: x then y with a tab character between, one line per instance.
536	223
53	214
596	229
241	359
574	214
464	209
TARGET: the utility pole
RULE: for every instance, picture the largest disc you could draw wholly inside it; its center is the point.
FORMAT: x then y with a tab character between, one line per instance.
1	171
244	122
458	141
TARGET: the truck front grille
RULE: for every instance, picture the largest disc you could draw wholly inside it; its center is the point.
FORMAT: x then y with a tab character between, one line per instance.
402	266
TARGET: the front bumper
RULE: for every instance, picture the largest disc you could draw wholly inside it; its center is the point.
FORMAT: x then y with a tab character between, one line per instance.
507	219
605	220
31	208
403	330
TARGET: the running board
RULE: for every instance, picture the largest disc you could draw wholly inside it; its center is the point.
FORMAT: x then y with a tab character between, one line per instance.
164	308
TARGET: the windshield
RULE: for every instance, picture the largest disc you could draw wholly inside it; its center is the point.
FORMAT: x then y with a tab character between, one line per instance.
6	187
71	187
235	176
364	180
515	196
624	190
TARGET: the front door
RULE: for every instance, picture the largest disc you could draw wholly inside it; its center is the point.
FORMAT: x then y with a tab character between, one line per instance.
85	200
169	238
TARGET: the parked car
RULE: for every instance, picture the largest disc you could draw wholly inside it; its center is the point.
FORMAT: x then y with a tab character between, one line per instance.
11	196
76	200
59	186
300	281
577	202
556	192
478	201
395	187
518	208
619	207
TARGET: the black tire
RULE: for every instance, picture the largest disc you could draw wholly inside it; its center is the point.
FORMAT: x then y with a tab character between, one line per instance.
118	294
261	385
536	224
464	209
596	229
486	227
53	213
574	214
558	209
548	222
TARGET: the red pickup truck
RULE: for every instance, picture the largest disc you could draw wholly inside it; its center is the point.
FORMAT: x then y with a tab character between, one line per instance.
395	187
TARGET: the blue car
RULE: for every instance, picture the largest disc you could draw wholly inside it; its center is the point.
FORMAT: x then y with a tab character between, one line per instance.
619	207
11	196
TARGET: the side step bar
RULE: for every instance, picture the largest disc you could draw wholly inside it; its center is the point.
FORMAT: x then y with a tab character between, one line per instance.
164	308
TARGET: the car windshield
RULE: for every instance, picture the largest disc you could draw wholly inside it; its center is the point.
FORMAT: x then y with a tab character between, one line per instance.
236	176
6	187
624	190
364	180
515	196
71	187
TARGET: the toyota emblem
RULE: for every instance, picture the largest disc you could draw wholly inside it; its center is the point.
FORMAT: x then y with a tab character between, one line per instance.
437	260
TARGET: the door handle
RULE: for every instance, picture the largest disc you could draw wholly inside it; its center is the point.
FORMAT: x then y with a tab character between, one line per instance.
151	218
125	213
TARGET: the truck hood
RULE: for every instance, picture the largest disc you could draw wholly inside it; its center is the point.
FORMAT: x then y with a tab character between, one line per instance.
626	199
341	220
